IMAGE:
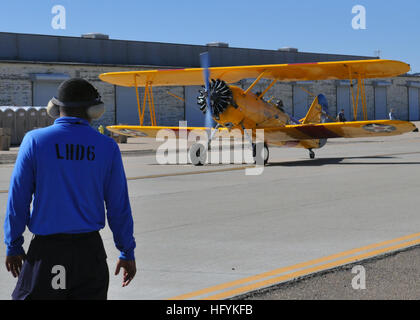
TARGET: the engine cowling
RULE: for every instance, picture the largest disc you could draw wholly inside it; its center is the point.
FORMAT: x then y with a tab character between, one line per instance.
220	98
232	107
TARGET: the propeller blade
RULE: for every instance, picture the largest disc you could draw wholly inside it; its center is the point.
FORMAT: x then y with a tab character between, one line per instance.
205	64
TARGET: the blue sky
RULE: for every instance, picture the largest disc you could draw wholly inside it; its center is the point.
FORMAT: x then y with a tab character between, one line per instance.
312	26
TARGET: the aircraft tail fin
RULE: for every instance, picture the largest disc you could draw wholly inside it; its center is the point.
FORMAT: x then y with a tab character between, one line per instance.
318	112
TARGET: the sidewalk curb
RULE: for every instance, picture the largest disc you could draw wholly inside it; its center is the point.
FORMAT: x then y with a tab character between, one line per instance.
8	158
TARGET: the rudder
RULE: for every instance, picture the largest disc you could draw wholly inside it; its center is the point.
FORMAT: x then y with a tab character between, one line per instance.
318	111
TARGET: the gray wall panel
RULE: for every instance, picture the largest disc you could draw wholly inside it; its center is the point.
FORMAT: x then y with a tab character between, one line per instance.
193	114
343	102
380	103
38	48
8	46
44	91
413	97
168	57
127	109
70	50
135	53
112	52
44	48
301	102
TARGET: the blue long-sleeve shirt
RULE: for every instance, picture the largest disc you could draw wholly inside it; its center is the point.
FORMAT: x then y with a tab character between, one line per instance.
70	173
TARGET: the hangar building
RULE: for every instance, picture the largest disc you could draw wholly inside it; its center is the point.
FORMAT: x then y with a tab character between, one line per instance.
32	66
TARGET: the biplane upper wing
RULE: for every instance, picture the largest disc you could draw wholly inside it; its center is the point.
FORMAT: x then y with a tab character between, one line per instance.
337	70
356	129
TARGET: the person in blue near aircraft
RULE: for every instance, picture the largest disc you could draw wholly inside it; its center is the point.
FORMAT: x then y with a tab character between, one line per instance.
68	171
280	105
341	117
392	115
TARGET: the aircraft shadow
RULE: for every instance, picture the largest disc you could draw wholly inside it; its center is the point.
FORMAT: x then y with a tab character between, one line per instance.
328	161
311	162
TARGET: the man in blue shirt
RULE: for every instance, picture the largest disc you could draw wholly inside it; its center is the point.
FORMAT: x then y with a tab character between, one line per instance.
68	171
392	115
341	117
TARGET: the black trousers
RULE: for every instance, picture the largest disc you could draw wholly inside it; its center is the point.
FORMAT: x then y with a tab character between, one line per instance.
64	267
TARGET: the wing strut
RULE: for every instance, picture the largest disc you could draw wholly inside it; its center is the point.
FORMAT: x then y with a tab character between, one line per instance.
138	100
361	93
147	99
175	96
352	95
268	88
255	82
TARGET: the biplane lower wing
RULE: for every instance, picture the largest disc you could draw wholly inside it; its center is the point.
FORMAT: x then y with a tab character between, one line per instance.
356	129
152	131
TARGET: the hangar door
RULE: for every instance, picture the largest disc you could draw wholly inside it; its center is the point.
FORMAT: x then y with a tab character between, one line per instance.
381	99
380	103
301	102
194	116
413	102
126	106
343	101
45	87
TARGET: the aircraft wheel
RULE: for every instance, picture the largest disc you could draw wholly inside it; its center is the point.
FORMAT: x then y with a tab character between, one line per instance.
263	153
198	154
311	154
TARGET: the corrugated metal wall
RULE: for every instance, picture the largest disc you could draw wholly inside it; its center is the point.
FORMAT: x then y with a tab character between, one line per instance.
44	48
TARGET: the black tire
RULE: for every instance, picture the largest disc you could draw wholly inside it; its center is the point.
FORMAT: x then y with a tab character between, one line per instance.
198	154
311	154
263	155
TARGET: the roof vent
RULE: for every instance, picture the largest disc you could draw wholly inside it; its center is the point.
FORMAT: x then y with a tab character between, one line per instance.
100	36
288	49
218	44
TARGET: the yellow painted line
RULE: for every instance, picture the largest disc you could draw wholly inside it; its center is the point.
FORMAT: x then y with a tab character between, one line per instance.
293	275
290	268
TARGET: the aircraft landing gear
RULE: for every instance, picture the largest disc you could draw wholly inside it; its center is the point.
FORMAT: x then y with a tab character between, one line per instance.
260	150
260	153
198	154
311	154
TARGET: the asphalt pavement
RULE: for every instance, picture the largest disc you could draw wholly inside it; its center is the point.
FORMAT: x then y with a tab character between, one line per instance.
394	276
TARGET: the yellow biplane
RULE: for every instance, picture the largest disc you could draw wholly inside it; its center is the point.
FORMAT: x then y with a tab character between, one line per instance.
231	107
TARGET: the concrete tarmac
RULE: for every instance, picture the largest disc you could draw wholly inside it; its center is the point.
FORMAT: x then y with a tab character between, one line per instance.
216	234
